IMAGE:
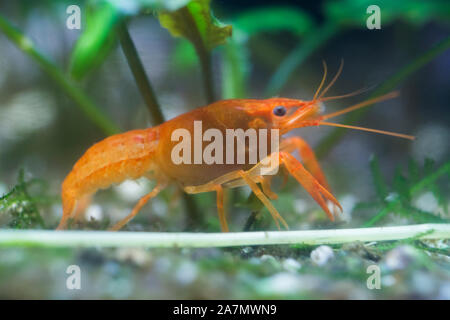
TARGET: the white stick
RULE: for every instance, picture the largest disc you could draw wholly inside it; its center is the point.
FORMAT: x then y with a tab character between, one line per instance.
11	238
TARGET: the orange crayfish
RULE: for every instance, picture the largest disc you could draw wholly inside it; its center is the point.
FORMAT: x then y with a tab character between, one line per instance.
149	153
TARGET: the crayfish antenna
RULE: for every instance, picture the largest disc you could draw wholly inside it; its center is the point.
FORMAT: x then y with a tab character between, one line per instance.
324	77
351	94
389	133
360	105
338	73
321	97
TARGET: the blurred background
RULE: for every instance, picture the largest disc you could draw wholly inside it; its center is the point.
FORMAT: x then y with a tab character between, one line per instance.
276	49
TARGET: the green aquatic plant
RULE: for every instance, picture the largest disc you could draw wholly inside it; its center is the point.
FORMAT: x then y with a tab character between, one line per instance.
97	40
398	198
101	33
21	206
236	56
398	77
83	102
196	23
341	16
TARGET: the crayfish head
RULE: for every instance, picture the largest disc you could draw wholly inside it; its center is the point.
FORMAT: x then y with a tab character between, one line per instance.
287	114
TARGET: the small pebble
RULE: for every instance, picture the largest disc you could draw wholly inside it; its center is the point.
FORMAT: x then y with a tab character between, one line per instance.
444	292
291	265
427	202
270	259
137	256
247	250
3	189
94	212
347	202
400	257
186	273
300	206
423	283
131	190
159	207
281	283
119	288
322	255
388	281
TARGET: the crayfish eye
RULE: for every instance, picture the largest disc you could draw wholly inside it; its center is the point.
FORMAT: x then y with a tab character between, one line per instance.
279	111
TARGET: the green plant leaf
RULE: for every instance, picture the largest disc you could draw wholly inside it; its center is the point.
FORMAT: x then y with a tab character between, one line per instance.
353	12
340	15
378	180
275	19
184	57
401	186
428	168
23	208
99	36
97	40
420	216
413	171
236	63
405	208
196	23
332	139
83	102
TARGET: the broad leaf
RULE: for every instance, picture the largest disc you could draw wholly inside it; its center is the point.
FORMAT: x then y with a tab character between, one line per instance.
97	40
99	36
353	12
196	23
274	19
236	62
184	56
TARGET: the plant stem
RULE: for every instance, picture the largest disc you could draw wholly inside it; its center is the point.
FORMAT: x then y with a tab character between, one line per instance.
311	43
204	55
86	105
14	238
332	139
207	74
143	82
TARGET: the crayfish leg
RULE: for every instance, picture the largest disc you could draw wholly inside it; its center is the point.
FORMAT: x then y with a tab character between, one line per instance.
265	184
236	178
318	192
82	204
221	209
261	196
309	158
157	189
69	205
